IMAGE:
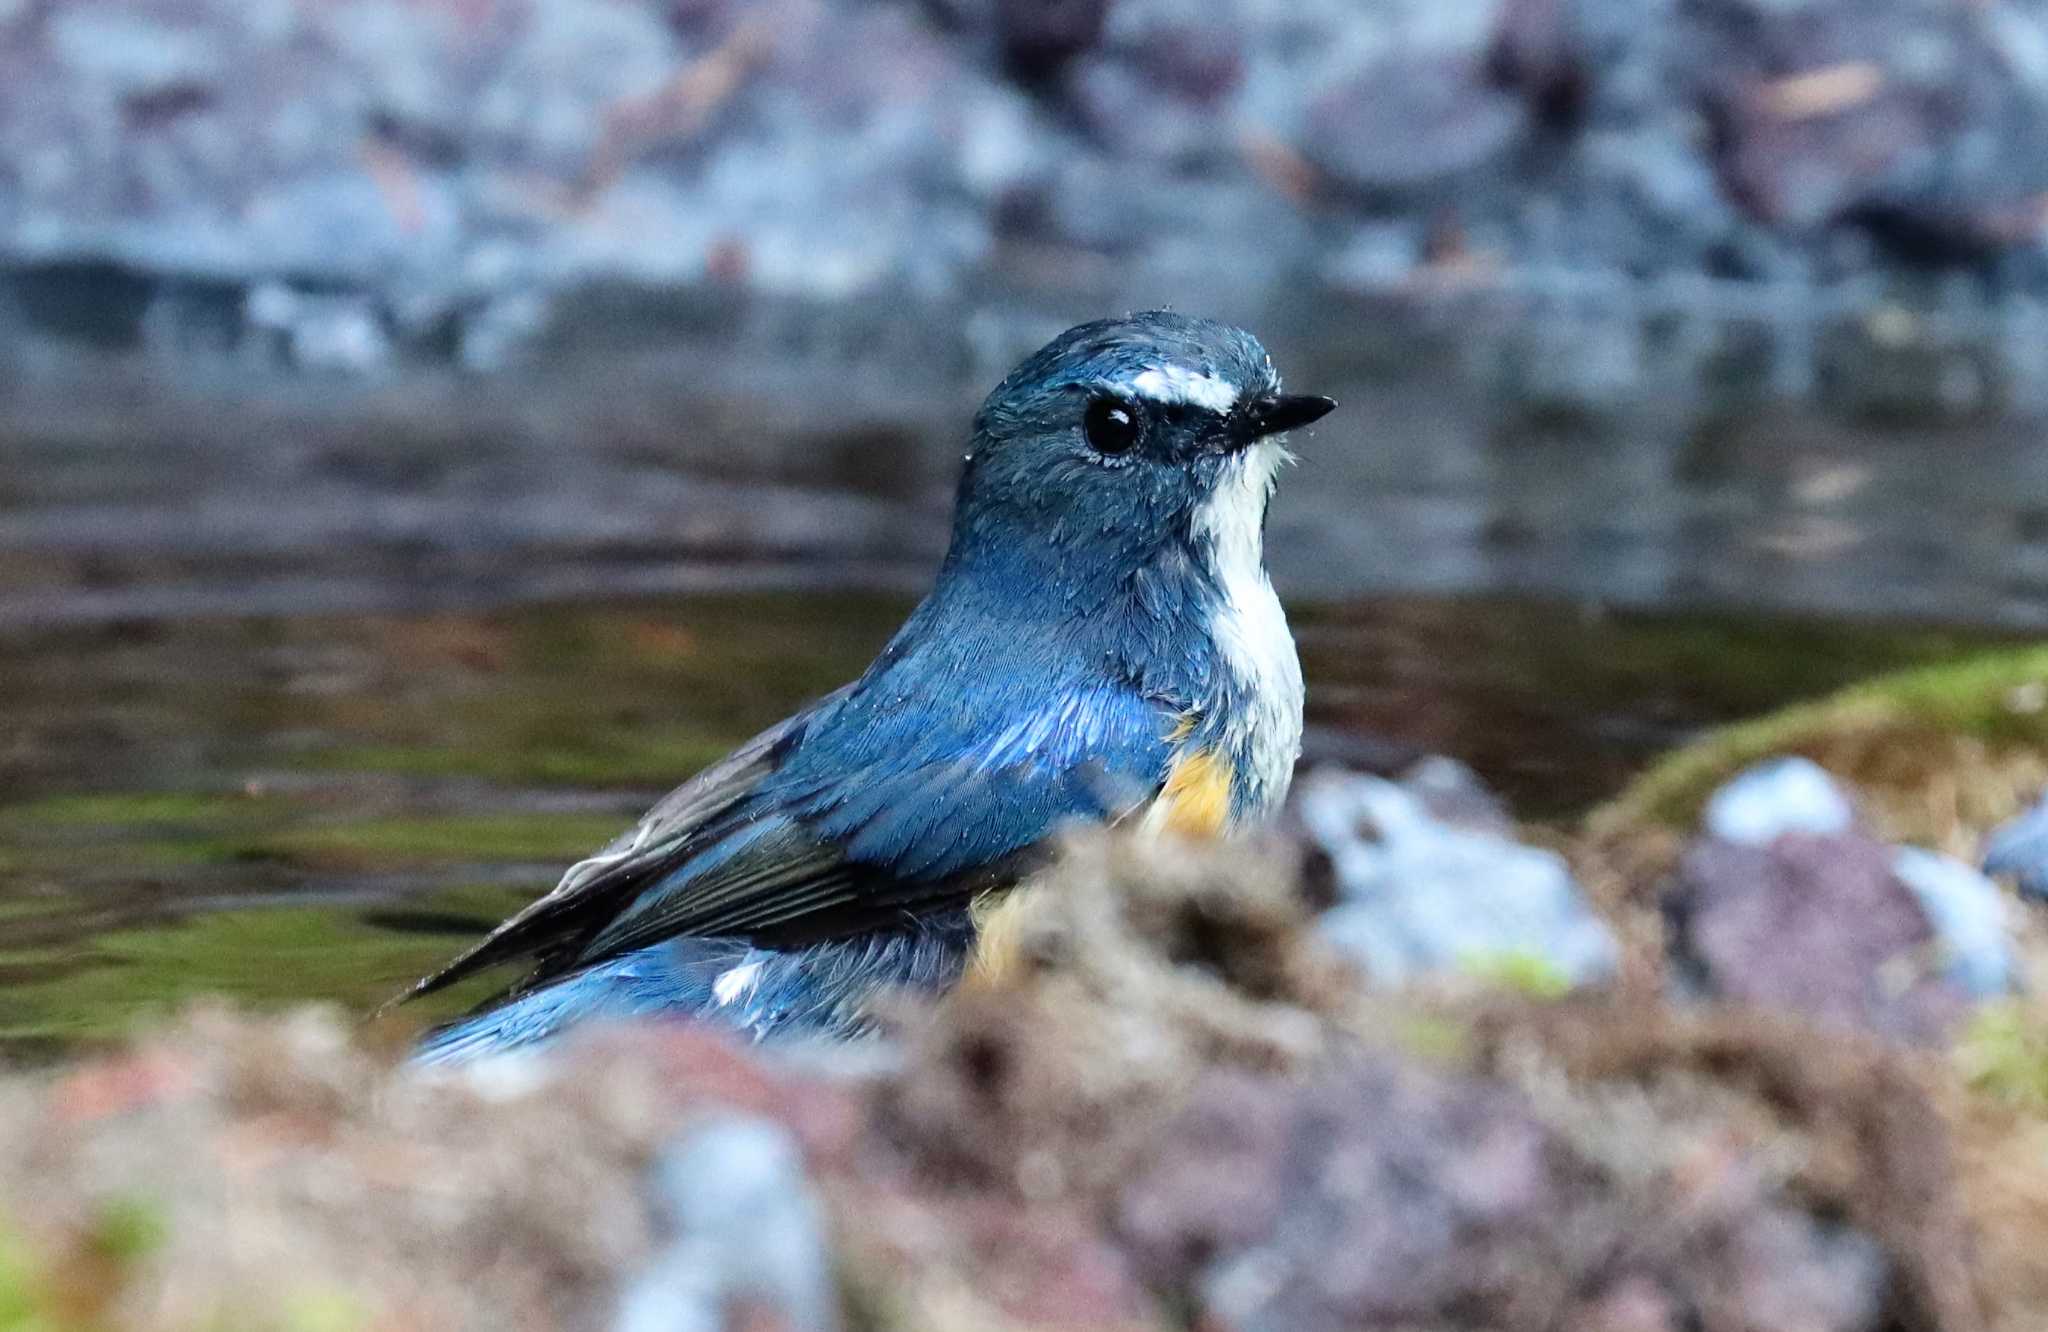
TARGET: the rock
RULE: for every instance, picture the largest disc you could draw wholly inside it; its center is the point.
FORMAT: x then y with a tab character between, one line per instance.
2018	849
1374	1194
1539	51
1161	90
1788	1271
1913	120
468	185
132	54
1452	793
747	1245
1969	916
1380	1195
1038	36
1820	925
327	333
562	83
1781	796
1411	122
1796	797
1419	894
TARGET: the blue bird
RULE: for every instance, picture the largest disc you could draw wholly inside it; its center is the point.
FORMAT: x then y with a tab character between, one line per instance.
1101	644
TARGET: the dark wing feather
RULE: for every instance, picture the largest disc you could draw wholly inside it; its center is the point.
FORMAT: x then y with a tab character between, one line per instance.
591	891
867	806
762	874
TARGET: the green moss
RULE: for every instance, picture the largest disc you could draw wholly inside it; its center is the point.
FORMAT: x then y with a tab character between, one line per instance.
1523	972
128	1229
2004	1053
1993	698
1431	1036
24	1303
323	1311
70	1292
75	1292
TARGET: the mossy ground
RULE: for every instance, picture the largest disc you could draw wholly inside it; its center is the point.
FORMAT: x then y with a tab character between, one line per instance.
1937	756
1941	753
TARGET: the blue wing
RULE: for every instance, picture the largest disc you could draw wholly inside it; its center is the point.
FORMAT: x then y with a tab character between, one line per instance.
892	802
911	788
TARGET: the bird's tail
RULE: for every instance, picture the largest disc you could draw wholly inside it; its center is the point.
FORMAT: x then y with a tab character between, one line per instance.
666	978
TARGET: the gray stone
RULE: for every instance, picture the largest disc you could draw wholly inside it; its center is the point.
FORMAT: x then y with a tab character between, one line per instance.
1419	896
1780	796
835	151
1968	914
131	53
1414	122
2018	849
746	1235
1797	797
1454	794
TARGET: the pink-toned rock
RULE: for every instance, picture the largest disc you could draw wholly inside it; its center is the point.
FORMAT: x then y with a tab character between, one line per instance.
1818	925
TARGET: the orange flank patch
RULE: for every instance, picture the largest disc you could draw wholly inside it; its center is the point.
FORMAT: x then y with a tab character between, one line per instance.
998	936
1196	799
1195	802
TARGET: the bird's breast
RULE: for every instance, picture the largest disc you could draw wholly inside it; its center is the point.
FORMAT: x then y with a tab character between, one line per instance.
1259	710
1252	714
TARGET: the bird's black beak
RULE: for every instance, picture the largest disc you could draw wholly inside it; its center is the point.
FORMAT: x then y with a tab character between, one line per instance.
1274	413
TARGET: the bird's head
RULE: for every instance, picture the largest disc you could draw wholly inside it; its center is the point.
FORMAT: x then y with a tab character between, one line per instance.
1124	438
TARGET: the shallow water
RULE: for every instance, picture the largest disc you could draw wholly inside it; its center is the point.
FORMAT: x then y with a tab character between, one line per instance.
279	808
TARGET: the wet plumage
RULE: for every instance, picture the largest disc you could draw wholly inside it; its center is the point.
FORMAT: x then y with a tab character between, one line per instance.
1101	643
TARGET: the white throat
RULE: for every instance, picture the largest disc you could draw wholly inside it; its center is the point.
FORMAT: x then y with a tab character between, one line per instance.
1249	628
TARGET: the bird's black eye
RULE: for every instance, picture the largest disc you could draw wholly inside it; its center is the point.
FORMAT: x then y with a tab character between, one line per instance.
1111	425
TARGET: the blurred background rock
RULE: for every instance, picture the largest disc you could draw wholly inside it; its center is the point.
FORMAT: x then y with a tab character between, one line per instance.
360	185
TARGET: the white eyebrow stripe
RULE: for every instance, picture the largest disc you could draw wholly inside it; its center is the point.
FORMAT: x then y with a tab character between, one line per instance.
1178	384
